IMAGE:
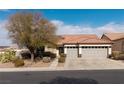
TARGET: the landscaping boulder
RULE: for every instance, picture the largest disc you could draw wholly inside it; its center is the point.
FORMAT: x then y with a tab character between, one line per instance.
46	59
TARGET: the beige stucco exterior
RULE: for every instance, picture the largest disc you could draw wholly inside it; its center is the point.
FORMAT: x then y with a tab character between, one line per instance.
117	45
53	50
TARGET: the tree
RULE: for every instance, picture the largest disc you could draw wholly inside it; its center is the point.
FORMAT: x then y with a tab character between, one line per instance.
31	30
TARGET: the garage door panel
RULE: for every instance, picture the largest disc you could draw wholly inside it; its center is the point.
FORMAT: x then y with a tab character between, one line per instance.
94	52
72	52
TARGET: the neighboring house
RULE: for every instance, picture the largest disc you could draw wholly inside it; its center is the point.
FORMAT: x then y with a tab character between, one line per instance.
3	48
84	46
117	40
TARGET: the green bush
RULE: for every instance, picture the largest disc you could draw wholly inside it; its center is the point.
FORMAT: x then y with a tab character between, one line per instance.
52	56
120	57
62	55
25	55
122	52
18	62
115	54
61	60
7	56
49	54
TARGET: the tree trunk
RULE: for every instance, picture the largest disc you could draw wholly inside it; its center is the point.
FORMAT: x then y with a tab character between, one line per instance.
32	57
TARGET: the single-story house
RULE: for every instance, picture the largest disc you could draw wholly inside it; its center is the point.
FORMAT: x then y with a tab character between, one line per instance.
84	46
89	45
117	40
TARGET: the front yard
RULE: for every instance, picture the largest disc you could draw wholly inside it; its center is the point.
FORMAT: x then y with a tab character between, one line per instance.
8	59
27	63
51	61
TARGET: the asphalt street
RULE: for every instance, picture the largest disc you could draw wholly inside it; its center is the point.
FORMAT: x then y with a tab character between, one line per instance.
63	77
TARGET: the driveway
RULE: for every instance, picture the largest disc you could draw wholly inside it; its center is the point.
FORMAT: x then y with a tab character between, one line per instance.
93	63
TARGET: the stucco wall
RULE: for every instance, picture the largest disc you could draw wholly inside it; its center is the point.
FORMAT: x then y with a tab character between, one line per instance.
56	51
118	45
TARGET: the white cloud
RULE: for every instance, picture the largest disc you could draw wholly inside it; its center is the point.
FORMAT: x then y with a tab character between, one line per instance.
69	29
4	39
63	28
4	10
110	27
3	31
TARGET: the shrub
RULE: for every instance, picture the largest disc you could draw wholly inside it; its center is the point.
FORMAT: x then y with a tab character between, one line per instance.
52	55
115	54
61	60
120	57
62	55
46	54
18	62
38	59
39	52
122	52
7	56
49	54
25	55
46	59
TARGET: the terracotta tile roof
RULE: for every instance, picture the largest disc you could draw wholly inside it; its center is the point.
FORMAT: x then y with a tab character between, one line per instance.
114	36
84	38
95	41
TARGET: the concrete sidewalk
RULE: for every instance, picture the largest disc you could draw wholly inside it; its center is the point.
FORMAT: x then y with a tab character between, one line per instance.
51	69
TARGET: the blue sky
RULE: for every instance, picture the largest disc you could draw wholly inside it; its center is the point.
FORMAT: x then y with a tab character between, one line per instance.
73	21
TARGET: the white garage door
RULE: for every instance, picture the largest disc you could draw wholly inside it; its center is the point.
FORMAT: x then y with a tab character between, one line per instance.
94	52
72	52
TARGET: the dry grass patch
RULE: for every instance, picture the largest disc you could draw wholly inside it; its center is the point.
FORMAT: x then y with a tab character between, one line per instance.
28	63
7	65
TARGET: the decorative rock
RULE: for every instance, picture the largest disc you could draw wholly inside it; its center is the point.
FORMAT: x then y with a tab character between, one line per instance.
46	59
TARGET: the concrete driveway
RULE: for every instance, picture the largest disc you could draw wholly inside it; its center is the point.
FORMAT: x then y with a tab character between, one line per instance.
93	63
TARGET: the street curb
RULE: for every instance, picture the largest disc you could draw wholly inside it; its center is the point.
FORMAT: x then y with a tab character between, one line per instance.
49	69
